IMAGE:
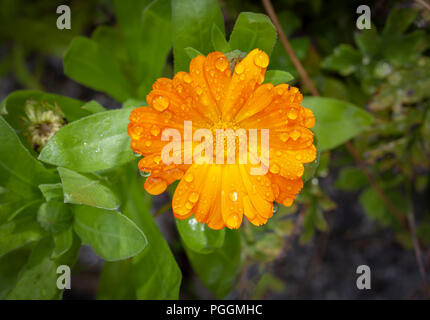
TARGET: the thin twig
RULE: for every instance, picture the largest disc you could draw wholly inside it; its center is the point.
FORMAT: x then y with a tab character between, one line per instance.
303	74
423	3
417	248
307	81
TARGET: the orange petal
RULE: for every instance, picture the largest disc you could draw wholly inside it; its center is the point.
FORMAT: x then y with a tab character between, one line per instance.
248	75
259	191
232	193
188	191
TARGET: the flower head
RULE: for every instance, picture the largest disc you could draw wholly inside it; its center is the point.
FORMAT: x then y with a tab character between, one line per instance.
214	98
42	120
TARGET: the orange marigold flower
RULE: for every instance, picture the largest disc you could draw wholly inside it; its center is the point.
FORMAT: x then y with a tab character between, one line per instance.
213	97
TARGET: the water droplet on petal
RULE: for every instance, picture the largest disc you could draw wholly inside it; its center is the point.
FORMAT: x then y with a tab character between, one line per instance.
292	114
221	64
233	221
233	196
275	207
155	186
187	78
136	132
284	136
189	177
261	60
239	69
295	135
155	131
194	196
274	169
136	154
199	90
161	103
144	173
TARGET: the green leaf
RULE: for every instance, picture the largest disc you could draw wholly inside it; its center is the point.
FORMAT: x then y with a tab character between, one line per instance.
87	189
337	121
219	42
63	242
192	53
399	20
154	44
86	63
117	281
253	30
54	216
351	179
157	273
10	266
28	206
376	209
18	232
403	49
129	14
344	59
93	107
198	236
277	77
97	142
192	23
20	172
38	278
52	192
368	41
12	107
154	273
112	235
218	270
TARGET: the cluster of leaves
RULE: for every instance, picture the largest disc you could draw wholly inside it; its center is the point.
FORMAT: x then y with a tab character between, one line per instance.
83	187
391	72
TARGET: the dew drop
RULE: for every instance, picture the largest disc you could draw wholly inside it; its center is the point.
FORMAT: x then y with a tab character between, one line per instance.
155	131
284	136
188	205
233	196
239	69
155	186
233	221
292	114
148	143
221	64
274	169
275	207
189	177
199	90
187	78
136	154
295	135
161	103
194	196
261	60
144	173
